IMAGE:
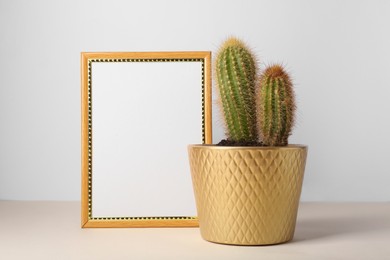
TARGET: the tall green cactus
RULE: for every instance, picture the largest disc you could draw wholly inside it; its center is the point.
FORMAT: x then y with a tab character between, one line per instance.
235	70
276	106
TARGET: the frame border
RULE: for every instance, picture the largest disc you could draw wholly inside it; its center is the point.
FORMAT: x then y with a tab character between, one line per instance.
87	58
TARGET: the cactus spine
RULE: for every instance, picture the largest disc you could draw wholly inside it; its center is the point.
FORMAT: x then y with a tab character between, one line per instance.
235	70
276	106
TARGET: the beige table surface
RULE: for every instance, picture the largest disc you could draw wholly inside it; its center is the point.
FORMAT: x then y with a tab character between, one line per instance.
51	230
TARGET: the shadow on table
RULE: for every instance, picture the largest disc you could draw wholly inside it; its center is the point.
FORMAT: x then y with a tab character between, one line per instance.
324	227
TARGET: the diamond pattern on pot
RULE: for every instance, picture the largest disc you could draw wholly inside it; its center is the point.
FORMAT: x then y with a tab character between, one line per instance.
247	196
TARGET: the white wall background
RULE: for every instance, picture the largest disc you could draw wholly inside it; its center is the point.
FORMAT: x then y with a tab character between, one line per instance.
337	51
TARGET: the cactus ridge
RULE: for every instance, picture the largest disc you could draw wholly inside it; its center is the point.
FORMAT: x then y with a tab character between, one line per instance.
229	108
276	106
236	80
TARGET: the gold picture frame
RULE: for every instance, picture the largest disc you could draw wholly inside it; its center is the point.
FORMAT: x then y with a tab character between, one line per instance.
100	127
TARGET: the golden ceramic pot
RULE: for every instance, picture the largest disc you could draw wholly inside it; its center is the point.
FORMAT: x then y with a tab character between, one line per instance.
247	195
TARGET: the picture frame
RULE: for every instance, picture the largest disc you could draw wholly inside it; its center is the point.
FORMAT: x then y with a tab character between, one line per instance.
140	110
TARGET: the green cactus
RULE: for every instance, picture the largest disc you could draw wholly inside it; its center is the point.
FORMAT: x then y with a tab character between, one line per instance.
235	70
276	106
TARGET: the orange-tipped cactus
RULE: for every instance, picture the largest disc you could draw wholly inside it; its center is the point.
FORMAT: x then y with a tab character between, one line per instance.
276	106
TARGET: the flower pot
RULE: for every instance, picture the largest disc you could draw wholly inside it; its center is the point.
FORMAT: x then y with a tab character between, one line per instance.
247	195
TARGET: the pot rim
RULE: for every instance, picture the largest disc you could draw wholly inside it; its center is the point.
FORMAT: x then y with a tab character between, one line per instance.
218	147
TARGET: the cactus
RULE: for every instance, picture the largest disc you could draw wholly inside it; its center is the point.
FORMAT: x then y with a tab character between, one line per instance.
276	106
235	70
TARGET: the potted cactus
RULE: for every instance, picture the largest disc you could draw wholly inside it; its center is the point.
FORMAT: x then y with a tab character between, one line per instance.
247	188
